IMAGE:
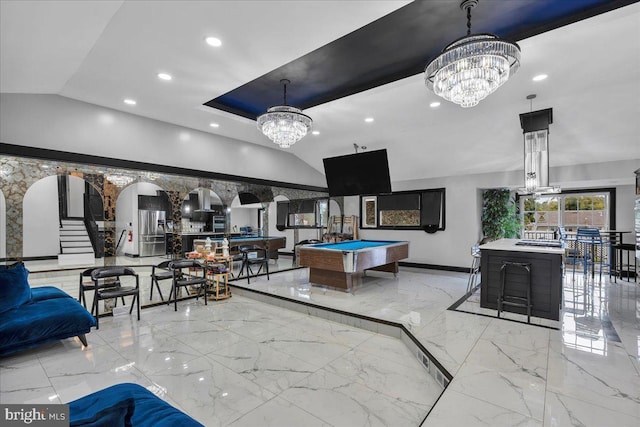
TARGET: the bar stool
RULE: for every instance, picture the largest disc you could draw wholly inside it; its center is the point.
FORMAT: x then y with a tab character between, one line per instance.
622	269
515	300
590	247
475	268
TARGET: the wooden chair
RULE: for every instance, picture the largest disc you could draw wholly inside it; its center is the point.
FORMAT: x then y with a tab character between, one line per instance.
114	289
182	280
254	255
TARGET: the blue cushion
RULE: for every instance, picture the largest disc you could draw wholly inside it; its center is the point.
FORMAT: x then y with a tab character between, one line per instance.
148	410
14	287
41	293
114	412
41	321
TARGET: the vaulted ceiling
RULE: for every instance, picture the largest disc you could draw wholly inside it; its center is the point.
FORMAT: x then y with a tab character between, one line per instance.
347	60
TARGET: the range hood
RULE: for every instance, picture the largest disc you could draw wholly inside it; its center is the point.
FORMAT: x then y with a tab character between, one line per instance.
204	201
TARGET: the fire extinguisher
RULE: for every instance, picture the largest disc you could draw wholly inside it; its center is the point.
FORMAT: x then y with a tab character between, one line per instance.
130	239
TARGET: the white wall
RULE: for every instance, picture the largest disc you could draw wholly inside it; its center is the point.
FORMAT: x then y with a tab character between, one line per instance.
127	212
625	200
41	220
75	197
273	217
3	226
451	247
58	123
242	217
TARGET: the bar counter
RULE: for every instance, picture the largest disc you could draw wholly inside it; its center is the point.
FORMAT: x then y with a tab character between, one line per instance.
546	275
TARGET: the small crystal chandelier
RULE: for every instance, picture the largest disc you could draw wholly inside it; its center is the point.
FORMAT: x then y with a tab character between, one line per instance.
119	180
535	127
283	124
472	67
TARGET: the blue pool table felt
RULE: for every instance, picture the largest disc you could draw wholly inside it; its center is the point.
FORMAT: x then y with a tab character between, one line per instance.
354	245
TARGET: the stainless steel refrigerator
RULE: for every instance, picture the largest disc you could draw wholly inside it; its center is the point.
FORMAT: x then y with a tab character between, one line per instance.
151	233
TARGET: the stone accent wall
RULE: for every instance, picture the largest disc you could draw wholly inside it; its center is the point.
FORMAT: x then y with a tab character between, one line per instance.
17	174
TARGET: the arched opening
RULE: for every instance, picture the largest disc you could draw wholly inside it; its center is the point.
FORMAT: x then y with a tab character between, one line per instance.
142	212
203	215
247	216
278	220
63	217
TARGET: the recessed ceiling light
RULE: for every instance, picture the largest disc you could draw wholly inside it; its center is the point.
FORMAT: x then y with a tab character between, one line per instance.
315	132
539	77
369	119
164	76
213	41
434	104
130	102
214	125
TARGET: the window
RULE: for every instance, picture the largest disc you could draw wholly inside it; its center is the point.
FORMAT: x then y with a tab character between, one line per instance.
404	210
303	213
541	216
400	210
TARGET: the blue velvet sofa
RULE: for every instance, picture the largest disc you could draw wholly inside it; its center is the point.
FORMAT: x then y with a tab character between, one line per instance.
30	317
126	405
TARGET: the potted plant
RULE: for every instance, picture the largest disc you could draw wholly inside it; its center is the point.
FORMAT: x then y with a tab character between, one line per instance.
499	215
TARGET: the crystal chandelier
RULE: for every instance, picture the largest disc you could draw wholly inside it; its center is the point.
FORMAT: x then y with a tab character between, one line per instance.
119	180
535	127
472	67
283	124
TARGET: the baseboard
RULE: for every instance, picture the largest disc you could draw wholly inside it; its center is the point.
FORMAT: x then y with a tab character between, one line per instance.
434	267
29	258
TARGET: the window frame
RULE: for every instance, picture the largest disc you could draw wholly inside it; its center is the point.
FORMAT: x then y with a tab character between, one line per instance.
319	220
610	210
374	197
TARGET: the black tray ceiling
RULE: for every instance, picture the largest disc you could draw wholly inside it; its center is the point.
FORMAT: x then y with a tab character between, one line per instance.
399	45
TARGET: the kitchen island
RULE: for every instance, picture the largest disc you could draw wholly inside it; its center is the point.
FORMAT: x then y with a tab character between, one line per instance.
271	243
545	258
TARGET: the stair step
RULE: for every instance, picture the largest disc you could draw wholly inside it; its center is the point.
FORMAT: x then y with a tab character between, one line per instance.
74	239
73	232
85	259
76	244
77	250
72	227
72	224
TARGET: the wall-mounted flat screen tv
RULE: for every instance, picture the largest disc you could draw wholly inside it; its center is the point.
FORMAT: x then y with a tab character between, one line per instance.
355	174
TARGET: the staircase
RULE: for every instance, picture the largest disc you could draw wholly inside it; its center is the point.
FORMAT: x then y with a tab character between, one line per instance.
75	245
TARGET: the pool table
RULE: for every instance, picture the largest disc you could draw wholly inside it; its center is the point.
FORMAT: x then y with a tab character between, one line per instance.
341	265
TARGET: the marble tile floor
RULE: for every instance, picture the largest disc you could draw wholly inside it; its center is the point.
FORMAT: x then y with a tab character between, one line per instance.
237	362
505	373
585	373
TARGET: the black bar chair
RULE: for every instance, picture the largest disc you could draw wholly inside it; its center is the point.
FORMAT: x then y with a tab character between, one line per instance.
254	255
474	271
87	284
237	256
515	300
114	289
159	272
623	269
184	280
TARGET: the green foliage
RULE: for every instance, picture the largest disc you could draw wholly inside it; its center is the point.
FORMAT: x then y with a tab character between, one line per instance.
499	215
